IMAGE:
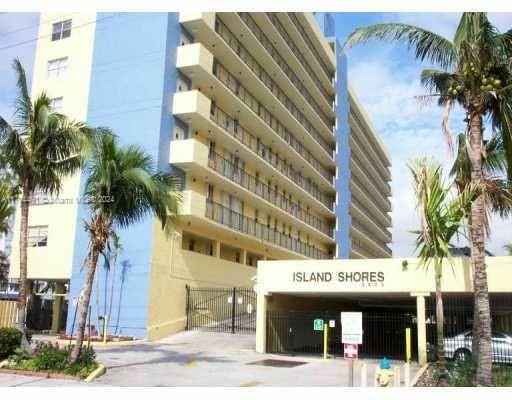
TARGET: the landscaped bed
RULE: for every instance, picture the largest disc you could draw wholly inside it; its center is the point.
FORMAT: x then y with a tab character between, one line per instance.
462	373
46	359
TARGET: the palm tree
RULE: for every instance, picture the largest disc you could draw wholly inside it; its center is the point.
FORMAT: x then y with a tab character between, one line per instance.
476	74
39	149
497	197
441	221
123	187
508	248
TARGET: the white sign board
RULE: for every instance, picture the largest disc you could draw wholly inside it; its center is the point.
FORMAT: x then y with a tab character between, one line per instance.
352	327
332	323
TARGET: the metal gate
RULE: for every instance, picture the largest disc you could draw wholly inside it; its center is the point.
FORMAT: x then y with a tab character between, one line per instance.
221	309
384	333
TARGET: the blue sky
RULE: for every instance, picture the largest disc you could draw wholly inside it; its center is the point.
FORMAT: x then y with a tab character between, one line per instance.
386	79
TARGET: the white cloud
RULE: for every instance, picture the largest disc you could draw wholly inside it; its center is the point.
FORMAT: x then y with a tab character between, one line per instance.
387	87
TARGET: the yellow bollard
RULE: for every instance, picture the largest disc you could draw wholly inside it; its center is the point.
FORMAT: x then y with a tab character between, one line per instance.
326	327
407	345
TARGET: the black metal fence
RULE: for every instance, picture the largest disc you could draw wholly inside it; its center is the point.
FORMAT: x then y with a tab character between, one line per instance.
221	309
40	314
384	333
458	325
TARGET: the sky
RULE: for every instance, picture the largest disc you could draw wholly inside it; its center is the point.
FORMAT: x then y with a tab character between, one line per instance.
385	78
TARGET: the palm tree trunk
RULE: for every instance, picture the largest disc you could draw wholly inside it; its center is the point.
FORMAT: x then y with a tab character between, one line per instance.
23	292
441	360
483	314
84	302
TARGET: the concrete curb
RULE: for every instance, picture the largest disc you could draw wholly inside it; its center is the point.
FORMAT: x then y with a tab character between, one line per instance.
418	375
96	373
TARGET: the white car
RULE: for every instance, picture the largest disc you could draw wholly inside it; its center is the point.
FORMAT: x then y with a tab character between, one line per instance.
459	347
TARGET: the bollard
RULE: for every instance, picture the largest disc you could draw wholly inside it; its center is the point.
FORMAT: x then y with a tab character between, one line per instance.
364	375
396	376
375	382
326	327
407	345
407	374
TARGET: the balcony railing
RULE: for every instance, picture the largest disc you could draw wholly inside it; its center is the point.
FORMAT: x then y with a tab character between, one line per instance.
265	78
371	235
260	72
369	214
364	128
234	220
365	169
296	51
238	175
310	44
380	170
233	127
373	196
243	94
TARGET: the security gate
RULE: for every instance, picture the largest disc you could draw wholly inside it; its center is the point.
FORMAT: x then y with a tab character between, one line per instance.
221	309
384	333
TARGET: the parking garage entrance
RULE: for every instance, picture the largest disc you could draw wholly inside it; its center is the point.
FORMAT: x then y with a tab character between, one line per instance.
384	327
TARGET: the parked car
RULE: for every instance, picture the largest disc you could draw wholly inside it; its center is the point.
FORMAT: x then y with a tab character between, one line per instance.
459	347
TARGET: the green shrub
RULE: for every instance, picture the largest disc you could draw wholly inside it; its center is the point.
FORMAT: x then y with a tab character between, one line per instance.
10	339
49	357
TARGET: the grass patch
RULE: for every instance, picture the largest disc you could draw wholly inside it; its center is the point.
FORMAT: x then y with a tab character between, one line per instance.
462	374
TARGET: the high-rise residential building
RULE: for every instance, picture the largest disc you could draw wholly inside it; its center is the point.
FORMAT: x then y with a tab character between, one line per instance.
253	110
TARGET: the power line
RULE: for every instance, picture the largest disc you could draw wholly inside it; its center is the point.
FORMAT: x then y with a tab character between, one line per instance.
49	35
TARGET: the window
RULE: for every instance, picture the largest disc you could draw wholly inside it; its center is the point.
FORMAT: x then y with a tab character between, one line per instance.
61	30
56	104
57	68
38	236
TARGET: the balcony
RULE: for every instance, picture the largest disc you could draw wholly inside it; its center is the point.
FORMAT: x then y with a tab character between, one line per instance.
194	157
216	82
220	221
361	177
234	43
312	48
249	226
375	211
367	236
196	109
362	214
245	73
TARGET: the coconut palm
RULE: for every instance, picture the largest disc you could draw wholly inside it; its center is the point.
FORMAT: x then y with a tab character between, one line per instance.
123	187
475	74
39	148
496	193
6	208
508	248
441	221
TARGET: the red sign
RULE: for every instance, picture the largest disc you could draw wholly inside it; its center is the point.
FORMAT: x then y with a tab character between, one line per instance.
350	351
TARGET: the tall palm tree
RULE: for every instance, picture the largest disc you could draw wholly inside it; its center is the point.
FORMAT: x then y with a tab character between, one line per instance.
496	191
441	221
6	208
124	187
39	149
476	74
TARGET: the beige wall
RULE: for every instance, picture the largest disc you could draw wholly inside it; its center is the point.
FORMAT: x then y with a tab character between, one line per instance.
173	268
54	260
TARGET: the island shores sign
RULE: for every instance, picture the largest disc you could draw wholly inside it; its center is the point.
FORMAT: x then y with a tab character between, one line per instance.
364	278
374	276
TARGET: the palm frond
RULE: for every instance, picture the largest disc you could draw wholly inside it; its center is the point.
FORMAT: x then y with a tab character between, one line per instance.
427	46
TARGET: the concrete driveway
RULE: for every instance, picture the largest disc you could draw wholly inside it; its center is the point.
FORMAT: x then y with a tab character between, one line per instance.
197	358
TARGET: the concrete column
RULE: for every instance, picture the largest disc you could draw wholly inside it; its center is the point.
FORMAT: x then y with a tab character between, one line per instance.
217	248
57	306
243	257
261	323
422	328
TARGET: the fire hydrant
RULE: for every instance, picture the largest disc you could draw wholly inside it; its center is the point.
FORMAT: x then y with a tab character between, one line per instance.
385	373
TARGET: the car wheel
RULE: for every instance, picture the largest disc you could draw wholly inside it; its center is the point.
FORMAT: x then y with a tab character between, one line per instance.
462	355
